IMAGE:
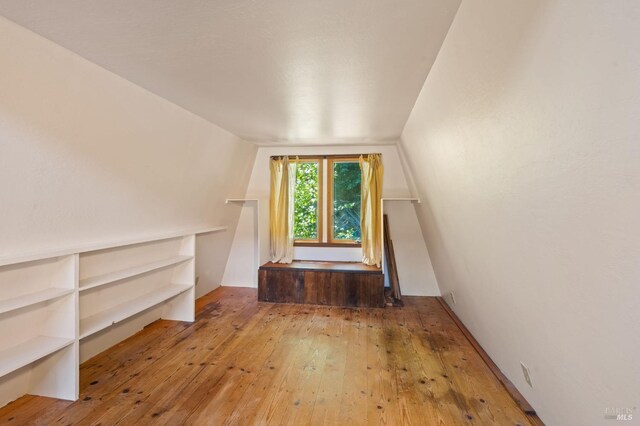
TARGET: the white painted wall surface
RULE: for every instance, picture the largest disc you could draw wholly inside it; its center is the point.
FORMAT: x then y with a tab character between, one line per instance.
524	145
415	271
87	156
247	253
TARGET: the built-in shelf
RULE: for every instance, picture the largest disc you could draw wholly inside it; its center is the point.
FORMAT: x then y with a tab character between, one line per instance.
56	296
99	280
29	299
29	257
32	350
108	317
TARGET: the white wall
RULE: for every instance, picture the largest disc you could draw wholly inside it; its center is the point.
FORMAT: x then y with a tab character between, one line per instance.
87	156
525	148
251	242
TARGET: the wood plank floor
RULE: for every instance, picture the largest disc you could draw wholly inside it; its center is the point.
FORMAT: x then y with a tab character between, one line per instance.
244	362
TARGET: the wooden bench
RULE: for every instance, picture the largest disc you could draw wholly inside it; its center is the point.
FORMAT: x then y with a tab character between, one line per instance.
322	283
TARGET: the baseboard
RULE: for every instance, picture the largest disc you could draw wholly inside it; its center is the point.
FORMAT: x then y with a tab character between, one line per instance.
510	388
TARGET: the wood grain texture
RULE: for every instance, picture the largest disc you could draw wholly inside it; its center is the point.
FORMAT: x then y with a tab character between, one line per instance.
318	265
321	287
246	363
390	259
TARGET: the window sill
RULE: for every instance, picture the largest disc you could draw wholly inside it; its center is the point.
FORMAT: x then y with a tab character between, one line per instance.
343	245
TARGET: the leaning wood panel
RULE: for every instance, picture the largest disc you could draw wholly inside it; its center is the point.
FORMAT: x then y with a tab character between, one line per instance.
390	258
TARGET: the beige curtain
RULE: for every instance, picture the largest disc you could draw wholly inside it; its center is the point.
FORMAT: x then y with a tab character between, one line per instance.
371	209
281	203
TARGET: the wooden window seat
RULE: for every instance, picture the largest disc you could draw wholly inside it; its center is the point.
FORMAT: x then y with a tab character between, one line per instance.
347	284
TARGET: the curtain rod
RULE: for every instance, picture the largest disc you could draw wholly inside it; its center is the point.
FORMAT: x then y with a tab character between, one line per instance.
325	156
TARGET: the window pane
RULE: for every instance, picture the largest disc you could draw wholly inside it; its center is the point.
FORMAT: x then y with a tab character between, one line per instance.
346	201
305	226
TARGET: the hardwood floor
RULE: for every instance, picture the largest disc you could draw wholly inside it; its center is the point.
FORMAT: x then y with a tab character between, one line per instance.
244	362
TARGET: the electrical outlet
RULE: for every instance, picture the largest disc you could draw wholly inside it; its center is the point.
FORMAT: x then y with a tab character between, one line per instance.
453	298
527	373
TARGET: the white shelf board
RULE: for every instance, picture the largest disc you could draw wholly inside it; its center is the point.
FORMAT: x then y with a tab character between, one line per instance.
7	305
108	317
99	280
29	257
239	200
417	200
32	350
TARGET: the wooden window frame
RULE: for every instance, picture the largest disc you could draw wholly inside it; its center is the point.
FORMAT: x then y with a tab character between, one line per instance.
325	200
330	240
320	197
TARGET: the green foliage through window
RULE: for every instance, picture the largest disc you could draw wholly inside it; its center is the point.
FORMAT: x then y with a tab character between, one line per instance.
346	200
305	226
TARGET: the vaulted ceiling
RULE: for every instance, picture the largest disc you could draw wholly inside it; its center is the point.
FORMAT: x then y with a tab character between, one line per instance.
270	71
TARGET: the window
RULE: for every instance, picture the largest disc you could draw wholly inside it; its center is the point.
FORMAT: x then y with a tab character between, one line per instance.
307	224
344	200
331	202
